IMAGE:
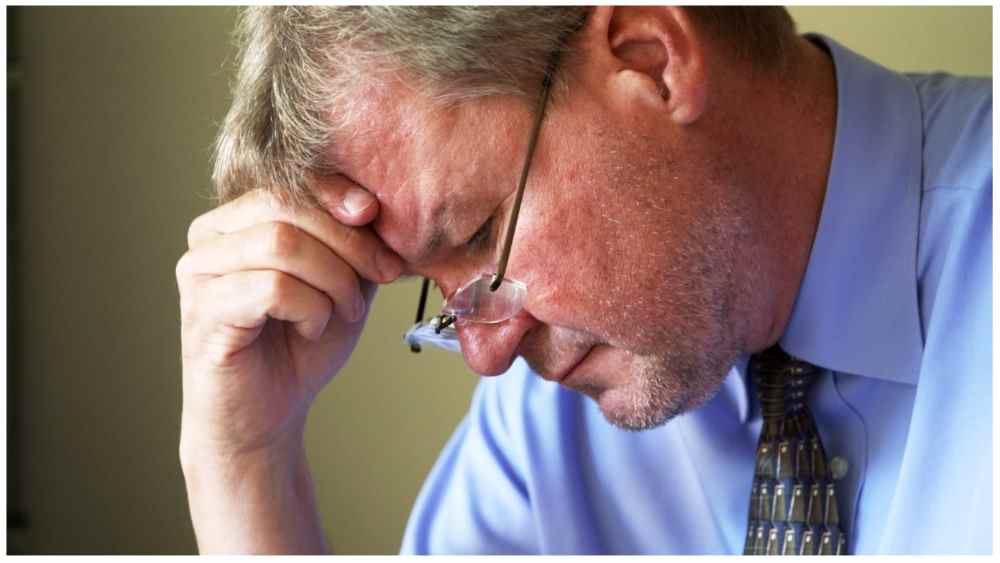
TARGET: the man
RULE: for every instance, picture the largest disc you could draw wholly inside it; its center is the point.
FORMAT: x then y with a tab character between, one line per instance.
705	184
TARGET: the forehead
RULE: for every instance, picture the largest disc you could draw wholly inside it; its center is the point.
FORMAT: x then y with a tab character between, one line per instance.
435	170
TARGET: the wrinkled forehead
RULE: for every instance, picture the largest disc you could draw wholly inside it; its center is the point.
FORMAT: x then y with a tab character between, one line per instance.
434	169
402	159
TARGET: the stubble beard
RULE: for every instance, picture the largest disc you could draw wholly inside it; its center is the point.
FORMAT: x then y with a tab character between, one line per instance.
660	388
681	304
691	335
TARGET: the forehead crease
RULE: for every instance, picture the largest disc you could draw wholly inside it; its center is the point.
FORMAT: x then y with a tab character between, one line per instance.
409	215
406	156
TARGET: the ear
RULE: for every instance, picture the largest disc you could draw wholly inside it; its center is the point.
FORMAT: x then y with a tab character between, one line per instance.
652	55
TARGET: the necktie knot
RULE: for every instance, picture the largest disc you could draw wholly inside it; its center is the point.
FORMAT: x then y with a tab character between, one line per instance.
782	382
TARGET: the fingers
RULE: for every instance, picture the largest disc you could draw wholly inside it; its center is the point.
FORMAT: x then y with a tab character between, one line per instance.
243	301
254	258
348	202
357	246
284	248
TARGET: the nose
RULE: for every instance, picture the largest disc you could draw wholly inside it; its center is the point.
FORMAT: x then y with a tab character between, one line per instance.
489	349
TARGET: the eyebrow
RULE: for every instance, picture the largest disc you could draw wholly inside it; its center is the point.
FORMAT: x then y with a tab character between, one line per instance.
438	235
435	242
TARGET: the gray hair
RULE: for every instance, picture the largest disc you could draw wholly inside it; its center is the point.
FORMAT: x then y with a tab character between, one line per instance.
297	65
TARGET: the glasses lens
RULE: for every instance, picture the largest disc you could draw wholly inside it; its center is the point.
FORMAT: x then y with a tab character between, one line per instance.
476	303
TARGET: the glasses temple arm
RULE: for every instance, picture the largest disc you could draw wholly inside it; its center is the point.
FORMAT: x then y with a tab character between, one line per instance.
420	310
533	140
423	300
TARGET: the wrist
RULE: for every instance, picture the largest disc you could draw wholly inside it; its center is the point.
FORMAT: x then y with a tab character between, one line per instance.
203	450
221	464
253	501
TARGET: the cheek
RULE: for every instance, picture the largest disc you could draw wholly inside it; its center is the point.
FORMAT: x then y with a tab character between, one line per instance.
611	257
567	259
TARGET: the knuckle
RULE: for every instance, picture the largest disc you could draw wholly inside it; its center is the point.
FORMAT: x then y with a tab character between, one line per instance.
282	239
217	350
182	269
349	239
194	229
277	286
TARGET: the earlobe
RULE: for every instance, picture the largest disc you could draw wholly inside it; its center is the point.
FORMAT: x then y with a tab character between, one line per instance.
659	57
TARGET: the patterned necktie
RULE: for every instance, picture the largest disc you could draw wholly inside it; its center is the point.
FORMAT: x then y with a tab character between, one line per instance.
793	506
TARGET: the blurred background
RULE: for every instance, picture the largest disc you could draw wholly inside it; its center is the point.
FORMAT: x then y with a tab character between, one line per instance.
111	117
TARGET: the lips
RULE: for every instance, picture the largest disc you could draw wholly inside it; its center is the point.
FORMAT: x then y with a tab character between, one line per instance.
566	373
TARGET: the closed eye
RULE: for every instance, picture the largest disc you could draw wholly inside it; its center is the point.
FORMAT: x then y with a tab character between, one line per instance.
481	237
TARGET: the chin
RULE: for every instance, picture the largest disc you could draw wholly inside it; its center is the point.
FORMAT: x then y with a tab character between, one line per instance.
629	411
650	396
630	407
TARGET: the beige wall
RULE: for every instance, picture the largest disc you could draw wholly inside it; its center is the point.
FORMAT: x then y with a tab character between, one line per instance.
909	39
118	111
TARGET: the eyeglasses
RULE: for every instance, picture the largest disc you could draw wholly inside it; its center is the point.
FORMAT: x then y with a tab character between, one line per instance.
487	298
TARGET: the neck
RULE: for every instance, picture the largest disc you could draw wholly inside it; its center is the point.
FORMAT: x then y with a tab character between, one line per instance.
790	165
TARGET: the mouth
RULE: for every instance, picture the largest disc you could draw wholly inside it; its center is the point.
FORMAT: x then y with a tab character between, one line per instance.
568	372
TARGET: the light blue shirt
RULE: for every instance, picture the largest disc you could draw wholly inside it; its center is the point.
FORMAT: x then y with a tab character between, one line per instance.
896	303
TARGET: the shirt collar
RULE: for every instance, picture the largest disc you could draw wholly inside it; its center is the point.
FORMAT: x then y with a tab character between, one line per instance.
856	311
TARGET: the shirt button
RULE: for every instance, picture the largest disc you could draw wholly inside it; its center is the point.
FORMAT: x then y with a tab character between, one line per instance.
838	468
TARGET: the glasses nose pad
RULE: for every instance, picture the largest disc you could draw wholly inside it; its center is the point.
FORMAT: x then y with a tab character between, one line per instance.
475	302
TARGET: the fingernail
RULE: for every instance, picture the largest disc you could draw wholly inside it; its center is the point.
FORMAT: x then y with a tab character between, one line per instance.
357	201
389	264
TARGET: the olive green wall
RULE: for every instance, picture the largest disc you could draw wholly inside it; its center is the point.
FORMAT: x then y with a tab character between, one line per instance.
118	111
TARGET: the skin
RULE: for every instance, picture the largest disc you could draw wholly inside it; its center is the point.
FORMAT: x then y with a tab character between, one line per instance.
683	265
271	306
665	228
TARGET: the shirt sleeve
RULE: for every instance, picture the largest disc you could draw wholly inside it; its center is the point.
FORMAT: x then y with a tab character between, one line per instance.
475	500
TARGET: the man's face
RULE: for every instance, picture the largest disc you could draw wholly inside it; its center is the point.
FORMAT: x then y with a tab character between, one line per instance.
627	239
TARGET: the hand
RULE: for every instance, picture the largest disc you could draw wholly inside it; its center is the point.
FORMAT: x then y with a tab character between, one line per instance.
273	301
